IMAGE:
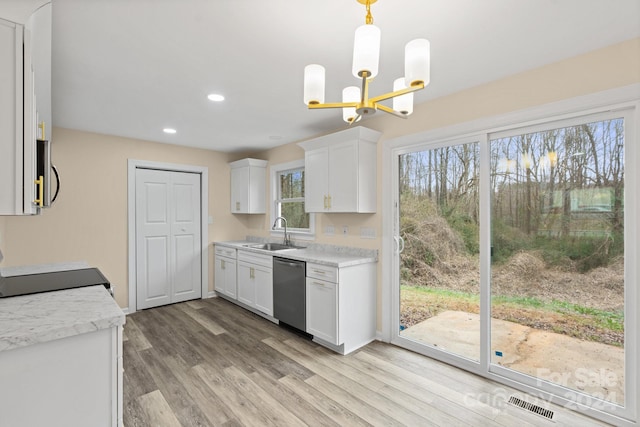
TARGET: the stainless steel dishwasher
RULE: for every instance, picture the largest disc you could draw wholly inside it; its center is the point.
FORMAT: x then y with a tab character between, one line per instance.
289	292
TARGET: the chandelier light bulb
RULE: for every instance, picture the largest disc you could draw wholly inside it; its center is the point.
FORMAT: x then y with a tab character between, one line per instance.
402	103
350	94
366	51
417	62
313	84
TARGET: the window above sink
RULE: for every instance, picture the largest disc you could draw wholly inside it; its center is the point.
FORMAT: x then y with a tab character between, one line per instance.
287	194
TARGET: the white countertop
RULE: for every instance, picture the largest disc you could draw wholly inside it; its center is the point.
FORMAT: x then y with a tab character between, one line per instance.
335	256
37	318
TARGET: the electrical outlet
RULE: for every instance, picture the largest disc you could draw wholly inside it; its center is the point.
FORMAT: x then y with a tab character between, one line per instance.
367	233
329	230
345	230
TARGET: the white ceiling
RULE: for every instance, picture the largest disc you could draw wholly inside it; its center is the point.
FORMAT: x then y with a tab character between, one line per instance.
134	67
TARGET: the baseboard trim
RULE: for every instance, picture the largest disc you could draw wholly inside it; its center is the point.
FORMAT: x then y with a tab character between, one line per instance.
380	337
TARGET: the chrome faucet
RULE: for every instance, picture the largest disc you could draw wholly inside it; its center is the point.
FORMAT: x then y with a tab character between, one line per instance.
287	238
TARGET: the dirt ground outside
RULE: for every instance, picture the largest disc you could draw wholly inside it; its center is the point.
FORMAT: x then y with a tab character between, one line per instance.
569	299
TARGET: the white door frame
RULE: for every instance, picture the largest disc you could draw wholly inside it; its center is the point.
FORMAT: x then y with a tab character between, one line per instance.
132	165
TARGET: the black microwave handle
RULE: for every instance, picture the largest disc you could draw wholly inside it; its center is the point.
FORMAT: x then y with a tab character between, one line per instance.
55	171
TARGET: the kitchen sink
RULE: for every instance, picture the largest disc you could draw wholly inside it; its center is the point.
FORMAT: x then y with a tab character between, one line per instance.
273	246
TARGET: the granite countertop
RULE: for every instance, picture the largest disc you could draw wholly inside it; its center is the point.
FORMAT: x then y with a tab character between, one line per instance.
335	256
38	318
42	268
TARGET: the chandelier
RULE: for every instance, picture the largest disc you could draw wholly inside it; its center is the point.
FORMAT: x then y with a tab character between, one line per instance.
366	53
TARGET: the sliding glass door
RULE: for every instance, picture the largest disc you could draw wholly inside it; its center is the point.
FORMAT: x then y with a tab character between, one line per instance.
557	269
439	268
512	257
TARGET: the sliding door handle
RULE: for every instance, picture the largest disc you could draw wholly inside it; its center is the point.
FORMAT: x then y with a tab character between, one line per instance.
399	244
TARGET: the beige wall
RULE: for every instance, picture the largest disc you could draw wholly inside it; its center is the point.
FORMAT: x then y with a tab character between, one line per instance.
89	221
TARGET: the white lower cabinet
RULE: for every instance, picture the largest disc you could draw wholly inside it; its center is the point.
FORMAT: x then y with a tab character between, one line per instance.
341	305
225	272
255	281
322	310
71	382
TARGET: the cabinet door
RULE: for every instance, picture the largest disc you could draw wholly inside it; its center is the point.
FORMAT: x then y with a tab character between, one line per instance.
219	282
225	276
230	279
17	122
322	310
246	284
316	169
240	190
264	289
40	26
10	118
343	177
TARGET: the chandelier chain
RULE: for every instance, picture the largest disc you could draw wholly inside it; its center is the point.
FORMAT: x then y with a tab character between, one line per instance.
369	17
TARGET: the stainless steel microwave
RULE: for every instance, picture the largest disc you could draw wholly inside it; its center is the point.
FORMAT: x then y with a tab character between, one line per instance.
44	169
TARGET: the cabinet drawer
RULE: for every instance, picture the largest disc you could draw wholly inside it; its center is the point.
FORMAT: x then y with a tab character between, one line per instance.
322	272
254	258
225	251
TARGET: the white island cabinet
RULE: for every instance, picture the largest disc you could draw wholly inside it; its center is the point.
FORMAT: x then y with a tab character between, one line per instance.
61	359
341	305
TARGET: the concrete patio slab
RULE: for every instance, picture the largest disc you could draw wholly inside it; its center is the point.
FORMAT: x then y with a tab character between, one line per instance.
590	367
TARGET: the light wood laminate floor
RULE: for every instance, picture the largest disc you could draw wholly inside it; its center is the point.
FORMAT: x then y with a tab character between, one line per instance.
211	363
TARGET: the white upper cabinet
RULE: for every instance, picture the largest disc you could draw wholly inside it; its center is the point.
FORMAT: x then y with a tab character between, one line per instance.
25	102
340	171
248	186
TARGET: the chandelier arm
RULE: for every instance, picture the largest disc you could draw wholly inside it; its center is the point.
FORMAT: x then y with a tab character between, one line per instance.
355	119
392	111
397	93
333	105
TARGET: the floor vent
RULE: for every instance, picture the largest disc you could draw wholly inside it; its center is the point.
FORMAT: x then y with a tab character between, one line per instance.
539	410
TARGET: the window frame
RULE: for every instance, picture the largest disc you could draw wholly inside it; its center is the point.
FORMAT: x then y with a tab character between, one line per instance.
300	233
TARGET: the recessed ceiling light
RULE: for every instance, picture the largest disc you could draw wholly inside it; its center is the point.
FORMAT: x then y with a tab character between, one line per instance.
169	130
215	97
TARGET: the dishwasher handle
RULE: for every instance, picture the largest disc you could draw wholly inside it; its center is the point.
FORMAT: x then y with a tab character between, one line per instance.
289	263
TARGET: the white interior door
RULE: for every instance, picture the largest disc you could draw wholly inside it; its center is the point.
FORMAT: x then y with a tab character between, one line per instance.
168	234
